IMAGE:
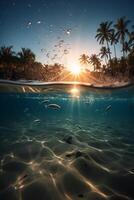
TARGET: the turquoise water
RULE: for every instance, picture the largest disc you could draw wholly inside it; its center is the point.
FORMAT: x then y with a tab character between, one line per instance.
82	148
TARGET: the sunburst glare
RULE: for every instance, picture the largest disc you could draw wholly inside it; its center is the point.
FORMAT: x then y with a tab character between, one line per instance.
75	69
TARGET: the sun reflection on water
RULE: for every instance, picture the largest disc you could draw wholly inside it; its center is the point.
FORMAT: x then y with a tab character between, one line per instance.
75	92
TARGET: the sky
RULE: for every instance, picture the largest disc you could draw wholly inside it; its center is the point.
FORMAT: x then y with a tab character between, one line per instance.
58	30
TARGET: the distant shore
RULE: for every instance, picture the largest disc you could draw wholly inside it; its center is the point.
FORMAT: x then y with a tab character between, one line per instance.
31	83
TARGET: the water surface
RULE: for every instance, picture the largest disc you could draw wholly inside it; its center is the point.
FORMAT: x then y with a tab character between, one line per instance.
83	149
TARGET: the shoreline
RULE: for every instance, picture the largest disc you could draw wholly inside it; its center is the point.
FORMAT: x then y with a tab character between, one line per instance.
116	85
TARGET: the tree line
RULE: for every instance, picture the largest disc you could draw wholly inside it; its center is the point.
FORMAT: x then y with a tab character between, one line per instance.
109	36
23	65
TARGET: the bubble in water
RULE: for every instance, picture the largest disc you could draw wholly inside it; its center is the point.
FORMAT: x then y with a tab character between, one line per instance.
66	51
14	4
29	5
68	31
29	24
39	22
47	55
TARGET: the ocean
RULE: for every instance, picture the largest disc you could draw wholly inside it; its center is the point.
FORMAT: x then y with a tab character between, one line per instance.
66	142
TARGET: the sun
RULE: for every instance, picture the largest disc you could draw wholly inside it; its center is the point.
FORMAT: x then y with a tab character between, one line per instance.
75	69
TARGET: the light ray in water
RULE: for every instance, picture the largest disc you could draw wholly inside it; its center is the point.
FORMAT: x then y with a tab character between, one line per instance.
75	92
75	151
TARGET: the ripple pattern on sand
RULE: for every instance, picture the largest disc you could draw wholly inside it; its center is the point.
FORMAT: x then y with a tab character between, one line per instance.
71	162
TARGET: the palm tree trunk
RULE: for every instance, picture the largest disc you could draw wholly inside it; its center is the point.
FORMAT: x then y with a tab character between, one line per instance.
123	48
106	60
123	52
109	51
94	68
115	51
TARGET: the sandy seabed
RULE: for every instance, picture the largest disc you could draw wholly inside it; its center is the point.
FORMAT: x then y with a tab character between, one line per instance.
69	154
60	163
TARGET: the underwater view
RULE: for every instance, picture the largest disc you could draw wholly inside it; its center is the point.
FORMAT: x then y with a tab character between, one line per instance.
66	142
66	100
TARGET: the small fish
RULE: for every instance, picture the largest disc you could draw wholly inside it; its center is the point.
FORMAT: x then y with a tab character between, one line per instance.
45	101
37	120
54	106
108	108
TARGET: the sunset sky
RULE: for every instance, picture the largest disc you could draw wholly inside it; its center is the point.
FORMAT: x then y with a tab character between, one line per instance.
58	30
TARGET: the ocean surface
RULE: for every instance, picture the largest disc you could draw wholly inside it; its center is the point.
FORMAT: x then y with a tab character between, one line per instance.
66	142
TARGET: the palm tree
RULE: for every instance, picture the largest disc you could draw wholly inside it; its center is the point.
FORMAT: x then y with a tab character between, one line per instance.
127	47
104	53
130	62
104	33
56	71
95	61
114	41
131	37
6	53
26	56
131	42
122	31
8	61
84	59
113	66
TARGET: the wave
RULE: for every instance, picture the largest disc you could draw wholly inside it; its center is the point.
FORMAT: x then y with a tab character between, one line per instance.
41	83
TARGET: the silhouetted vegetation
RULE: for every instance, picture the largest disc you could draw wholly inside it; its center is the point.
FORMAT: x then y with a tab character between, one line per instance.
23	65
110	35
